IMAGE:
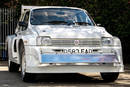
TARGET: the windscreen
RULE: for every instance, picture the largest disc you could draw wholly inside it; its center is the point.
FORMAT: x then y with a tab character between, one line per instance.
59	16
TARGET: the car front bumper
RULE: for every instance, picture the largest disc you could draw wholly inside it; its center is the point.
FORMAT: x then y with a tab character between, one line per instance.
45	60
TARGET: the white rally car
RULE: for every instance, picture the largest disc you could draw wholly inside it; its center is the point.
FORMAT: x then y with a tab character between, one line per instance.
52	39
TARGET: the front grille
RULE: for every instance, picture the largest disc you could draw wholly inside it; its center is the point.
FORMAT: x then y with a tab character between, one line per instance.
76	42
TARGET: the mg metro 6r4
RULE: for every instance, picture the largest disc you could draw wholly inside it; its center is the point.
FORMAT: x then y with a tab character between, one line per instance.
52	39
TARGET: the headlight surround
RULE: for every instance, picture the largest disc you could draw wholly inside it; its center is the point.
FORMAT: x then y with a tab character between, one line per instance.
46	41
107	41
117	41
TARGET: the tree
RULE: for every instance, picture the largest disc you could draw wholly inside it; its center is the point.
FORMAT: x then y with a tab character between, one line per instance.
2	3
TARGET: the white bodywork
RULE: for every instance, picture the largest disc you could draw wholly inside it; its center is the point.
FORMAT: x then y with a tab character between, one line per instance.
33	52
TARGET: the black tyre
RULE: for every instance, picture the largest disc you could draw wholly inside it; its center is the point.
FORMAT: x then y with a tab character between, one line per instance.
26	77
110	77
13	67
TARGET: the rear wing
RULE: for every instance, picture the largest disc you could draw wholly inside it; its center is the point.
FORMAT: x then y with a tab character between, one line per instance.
24	8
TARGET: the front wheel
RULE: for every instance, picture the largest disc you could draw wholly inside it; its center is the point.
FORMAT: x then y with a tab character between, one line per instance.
26	77
110	77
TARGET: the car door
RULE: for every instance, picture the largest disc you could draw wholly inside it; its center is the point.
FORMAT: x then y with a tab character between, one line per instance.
20	31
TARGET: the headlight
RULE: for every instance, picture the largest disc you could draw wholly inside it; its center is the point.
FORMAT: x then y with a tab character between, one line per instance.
44	41
107	41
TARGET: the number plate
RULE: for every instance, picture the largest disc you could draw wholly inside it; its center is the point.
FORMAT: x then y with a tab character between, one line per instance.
77	51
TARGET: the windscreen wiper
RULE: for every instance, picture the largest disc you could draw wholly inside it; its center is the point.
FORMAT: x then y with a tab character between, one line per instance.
58	22
82	23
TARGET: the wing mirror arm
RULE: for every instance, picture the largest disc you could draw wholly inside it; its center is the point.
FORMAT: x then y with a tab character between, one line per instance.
23	24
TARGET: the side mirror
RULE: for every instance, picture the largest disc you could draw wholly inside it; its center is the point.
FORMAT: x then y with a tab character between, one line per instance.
23	24
98	24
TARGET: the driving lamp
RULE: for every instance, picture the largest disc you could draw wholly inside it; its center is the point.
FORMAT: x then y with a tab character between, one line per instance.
46	41
107	41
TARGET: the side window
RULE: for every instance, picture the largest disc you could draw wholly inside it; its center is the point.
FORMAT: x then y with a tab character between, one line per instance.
25	20
26	17
18	28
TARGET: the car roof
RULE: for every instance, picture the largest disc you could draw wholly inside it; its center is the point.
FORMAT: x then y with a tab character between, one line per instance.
37	7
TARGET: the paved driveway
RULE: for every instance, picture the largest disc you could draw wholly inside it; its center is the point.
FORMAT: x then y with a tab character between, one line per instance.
8	79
